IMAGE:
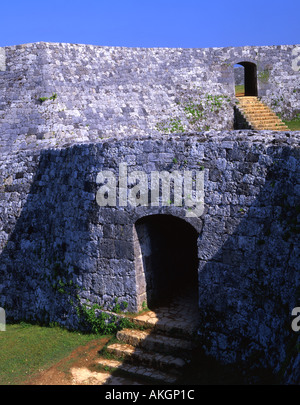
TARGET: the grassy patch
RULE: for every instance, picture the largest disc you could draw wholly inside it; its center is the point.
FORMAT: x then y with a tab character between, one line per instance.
294	125
27	349
240	89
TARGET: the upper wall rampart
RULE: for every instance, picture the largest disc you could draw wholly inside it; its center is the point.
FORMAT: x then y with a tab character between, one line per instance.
105	92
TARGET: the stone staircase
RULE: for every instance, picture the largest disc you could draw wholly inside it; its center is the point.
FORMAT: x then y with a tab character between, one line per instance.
157	351
258	115
147	356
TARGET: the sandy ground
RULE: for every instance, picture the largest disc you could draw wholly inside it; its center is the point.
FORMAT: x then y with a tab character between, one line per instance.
78	369
74	369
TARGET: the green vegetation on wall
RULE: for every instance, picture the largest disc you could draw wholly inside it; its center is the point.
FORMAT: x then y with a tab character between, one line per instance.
264	75
53	97
194	112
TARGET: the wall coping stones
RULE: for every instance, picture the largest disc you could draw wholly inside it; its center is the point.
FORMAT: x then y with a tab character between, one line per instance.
66	44
268	138
2	60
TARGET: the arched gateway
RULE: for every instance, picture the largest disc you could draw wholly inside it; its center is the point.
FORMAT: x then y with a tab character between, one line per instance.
166	257
249	79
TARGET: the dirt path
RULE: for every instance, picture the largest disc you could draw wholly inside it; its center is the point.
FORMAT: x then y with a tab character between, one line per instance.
74	369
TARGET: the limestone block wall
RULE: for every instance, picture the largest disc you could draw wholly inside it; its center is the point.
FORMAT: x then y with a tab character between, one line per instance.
103	92
239	75
279	79
60	249
2	60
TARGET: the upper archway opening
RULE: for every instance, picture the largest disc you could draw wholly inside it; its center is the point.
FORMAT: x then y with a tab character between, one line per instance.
245	76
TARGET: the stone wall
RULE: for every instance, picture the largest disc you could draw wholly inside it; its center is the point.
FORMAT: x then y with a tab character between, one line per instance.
119	92
278	80
60	249
2	60
239	75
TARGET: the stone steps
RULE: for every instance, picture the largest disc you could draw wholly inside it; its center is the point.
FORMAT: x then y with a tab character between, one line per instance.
155	342
148	354
137	371
158	349
264	124
140	357
167	326
259	116
266	120
259	111
132	354
263	114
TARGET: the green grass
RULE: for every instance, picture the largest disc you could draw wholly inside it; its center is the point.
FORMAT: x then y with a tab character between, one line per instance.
26	349
294	125
239	89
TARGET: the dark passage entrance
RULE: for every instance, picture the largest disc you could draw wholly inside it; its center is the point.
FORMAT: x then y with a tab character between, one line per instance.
170	258
245	79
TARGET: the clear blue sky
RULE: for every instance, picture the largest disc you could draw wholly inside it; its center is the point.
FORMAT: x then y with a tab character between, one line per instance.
151	23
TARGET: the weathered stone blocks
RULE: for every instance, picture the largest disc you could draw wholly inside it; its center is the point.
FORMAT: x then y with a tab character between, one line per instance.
57	243
59	249
127	97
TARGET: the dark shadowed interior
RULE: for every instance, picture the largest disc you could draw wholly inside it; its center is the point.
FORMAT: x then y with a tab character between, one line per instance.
170	258
250	78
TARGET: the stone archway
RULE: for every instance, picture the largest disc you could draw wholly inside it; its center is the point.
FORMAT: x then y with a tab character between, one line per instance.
166	257
249	77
